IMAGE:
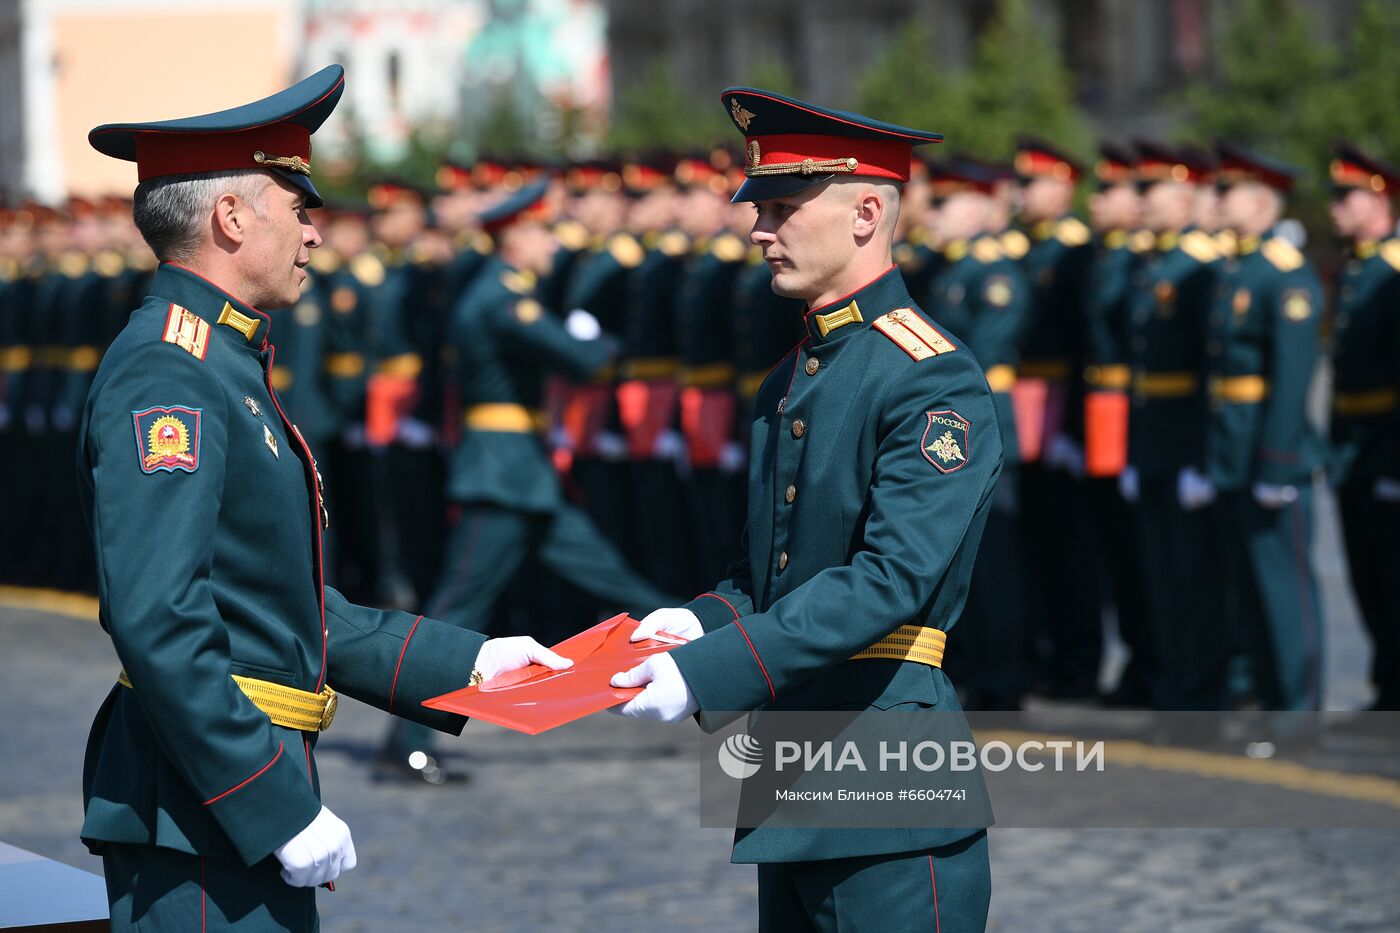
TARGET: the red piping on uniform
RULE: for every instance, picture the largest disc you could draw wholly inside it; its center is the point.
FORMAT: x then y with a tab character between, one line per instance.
827	116
239	786
395	685
796	354
310	465
771	692
937	924
723	600
306	745
810	311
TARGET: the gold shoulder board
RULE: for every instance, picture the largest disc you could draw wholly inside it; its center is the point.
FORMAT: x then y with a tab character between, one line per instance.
1200	247
1390	252
1015	243
913	334
1072	232
728	248
1283	254
674	244
368	270
571	235
627	251
1141	241
986	250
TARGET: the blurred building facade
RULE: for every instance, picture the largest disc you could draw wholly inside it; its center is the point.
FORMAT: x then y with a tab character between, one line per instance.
1127	56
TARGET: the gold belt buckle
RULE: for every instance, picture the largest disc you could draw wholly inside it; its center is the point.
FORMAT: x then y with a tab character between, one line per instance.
328	712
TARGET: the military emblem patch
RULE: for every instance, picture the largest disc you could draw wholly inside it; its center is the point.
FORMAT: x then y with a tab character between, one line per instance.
998	291
167	438
947	441
741	116
1297	306
1240	303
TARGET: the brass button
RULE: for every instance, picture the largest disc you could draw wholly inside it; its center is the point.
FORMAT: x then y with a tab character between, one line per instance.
799	428
782	561
791	493
813	364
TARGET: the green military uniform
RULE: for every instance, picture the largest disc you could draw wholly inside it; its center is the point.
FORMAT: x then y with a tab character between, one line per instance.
1171	296
1366	422
1262	351
982	298
1064	621
189	784
875	455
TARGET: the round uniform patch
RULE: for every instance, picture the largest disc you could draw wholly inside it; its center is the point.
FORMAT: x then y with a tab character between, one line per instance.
1166	297
307	314
344	299
528	311
947	441
1297	306
1240	304
998	291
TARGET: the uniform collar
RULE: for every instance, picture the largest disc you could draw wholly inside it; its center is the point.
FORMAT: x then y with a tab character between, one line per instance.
855	311
1365	249
226	315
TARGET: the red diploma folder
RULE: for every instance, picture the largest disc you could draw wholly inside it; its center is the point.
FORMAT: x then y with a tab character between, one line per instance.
535	699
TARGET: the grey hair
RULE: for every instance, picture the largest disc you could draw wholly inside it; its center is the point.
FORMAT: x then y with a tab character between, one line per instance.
172	212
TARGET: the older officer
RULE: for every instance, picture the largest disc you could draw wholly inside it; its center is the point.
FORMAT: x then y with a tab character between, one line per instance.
1260	449
1366	406
874	459
205	505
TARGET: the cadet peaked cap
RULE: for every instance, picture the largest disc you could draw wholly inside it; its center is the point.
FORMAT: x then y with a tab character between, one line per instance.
960	174
1037	158
791	145
273	133
1351	168
1116	165
1239	165
526	203
1161	162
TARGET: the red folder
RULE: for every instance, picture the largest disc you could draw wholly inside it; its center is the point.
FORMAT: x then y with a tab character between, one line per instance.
535	699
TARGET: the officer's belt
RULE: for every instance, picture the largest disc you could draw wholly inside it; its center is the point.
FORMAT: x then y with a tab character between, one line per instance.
1164	385
285	706
15	359
908	643
1370	402
1053	370
1110	376
1001	378
650	368
403	366
345	365
709	376
751	382
506	417
1240	390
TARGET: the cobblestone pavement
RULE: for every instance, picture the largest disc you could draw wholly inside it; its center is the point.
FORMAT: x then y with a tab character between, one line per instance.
600	820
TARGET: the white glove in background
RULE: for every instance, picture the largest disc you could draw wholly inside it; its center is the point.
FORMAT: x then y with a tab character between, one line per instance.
1193	490
317	854
1274	497
732	458
1128	486
582	326
1387	489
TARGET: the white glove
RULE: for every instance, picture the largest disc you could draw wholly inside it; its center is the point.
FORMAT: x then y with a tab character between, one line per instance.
610	446
1193	490
1128	486
1387	489
502	655
667	697
1065	454
582	326
559	438
732	458
415	434
317	854
677	621
1274	497
669	445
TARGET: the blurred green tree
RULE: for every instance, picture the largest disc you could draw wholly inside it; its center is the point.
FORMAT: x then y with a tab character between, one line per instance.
656	113
1364	103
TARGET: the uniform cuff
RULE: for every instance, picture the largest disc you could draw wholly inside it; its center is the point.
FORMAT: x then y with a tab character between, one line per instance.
269	806
724	672
713	611
437	659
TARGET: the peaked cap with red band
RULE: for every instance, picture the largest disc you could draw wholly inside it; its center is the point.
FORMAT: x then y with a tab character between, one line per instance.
273	133
1162	162
1239	165
1036	158
1352	168
791	145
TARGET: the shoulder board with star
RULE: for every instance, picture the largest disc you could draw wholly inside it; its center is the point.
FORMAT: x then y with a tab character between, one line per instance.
108	263
1200	247
522	283
913	334
571	235
368	270
1072	232
1282	254
1227	243
1390	252
626	250
674	244
1015	243
985	250
728	248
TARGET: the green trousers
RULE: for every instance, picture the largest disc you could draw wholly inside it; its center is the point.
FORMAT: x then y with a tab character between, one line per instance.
943	890
152	888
